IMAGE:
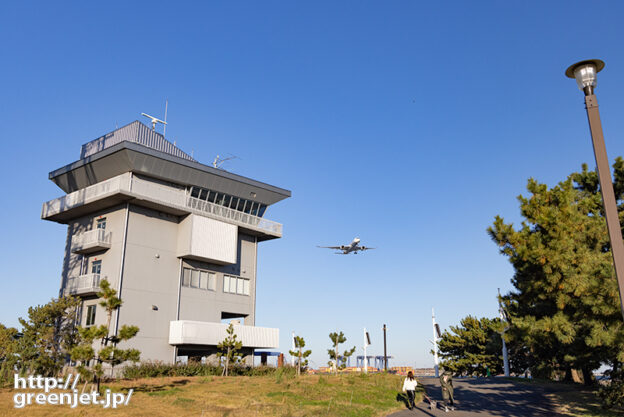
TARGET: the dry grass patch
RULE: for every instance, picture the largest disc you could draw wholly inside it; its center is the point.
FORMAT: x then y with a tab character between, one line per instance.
261	396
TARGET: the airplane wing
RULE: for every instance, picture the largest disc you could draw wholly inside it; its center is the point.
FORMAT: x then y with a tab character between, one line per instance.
365	248
330	247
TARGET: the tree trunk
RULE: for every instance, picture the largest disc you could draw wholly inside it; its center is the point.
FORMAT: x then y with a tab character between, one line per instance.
227	362
336	360
588	377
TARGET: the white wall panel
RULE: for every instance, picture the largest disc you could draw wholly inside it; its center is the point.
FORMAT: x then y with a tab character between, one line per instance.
207	240
187	332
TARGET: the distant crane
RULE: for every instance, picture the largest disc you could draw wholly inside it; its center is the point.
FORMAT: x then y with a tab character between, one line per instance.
154	120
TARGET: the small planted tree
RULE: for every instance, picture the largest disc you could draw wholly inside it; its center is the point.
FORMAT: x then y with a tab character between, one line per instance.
337	339
229	349
91	361
300	354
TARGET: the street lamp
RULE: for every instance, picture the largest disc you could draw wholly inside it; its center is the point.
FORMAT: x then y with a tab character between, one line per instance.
585	74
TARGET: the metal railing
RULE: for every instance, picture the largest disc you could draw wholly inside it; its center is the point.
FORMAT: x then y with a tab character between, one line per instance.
88	283
160	194
95	237
86	195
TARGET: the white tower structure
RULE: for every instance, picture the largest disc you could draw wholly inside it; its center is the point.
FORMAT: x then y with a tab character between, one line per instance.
436	336
504	319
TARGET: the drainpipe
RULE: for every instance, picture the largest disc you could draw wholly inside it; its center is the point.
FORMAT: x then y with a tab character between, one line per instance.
122	263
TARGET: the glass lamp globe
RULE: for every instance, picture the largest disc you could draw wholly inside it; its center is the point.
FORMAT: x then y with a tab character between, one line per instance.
585	72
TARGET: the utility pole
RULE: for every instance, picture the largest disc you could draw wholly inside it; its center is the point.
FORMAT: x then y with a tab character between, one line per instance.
366	343
503	317
436	360
385	351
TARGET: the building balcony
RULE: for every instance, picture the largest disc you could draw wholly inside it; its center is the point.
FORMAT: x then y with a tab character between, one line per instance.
91	241
126	187
88	284
187	332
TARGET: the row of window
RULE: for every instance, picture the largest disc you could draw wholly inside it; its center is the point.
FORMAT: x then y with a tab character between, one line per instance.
235	285
199	279
235	203
203	280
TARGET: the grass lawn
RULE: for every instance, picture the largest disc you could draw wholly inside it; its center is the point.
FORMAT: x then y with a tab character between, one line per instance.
273	395
573	400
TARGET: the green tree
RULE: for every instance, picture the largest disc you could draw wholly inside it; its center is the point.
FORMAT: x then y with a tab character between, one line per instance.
48	335
8	353
565	306
300	354
229	349
91	361
473	347
337	339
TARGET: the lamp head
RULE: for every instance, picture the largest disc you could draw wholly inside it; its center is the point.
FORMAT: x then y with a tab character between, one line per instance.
585	74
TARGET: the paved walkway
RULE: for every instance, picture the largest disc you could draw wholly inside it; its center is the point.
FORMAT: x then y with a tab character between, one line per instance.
481	397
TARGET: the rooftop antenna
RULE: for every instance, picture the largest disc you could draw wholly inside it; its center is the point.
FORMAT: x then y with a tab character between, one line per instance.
218	161
165	126
154	120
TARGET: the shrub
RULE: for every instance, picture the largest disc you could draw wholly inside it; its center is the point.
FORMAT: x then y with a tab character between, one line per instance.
155	369
612	395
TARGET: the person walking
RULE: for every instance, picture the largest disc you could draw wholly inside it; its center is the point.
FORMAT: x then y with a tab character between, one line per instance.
409	386
446	382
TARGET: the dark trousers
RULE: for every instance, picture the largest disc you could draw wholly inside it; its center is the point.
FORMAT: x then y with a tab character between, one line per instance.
410	398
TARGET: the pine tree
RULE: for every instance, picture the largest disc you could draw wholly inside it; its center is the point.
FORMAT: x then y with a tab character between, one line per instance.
48	334
337	339
565	305
473	347
91	361
300	354
229	349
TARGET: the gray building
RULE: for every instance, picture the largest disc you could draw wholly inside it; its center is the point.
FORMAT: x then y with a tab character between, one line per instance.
177	239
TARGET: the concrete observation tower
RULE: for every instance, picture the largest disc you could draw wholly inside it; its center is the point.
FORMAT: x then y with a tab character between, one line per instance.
177	239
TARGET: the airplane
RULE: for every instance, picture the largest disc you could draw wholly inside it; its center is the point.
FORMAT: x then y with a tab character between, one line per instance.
353	247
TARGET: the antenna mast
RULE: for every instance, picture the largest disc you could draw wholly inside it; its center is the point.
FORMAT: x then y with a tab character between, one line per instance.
165	126
218	161
154	120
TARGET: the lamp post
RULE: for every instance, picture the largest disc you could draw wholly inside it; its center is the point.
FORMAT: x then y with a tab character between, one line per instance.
585	74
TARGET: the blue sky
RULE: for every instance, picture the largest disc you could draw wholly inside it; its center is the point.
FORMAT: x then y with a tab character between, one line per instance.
408	124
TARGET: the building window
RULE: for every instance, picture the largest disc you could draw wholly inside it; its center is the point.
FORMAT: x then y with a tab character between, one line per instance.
203	280
101	223
96	267
90	315
226	200
235	285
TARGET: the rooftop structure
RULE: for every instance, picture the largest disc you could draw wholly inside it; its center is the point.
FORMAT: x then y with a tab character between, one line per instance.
177	239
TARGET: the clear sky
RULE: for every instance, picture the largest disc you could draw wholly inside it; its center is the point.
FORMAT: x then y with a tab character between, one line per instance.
408	124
